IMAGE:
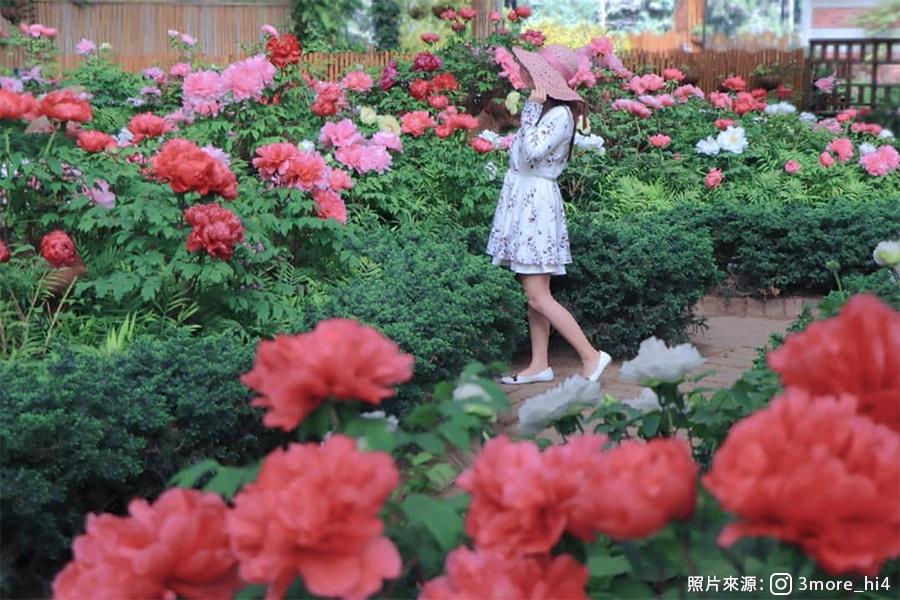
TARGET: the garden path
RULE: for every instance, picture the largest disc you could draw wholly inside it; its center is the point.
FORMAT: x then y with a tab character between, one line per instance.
737	328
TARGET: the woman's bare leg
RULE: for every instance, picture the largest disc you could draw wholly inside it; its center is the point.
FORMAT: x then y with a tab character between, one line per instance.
537	288
539	330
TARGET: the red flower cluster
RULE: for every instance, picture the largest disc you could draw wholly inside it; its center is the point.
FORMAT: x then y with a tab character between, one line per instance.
745	102
283	50
58	249
481	145
426	61
147	125
178	546
424	90
329	99
65	105
451	120
15	106
4	253
735	83
521	12
479	574
187	168
818	467
533	36
214	228
95	141
332	537
784	93
295	374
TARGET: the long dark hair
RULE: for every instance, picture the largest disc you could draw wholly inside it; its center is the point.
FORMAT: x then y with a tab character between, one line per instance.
576	108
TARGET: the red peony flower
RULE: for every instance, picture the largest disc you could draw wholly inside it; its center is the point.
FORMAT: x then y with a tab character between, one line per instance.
333	537
307	170
479	574
724	124
426	61
533	36
416	123
676	75
15	106
147	125
214	228
329	205
660	140
458	27
445	82
812	471
784	93
177	546
714	178
462	121
65	105
854	353
443	131
59	249
523	12
439	102
340	359
4	253
744	103
735	83
430	37
187	168
419	89
467	13
481	145
283	50
95	141
633	490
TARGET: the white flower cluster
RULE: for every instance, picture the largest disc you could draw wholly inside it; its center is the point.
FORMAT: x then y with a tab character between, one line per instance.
390	421
781	108
657	362
810	118
568	398
591	142
732	140
648	401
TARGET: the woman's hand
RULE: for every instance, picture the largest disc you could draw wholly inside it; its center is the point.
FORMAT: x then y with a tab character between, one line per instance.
538	95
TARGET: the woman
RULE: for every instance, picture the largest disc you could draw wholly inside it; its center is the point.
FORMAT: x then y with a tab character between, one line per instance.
529	231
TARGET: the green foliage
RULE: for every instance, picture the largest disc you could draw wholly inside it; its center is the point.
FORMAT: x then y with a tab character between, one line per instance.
636	279
321	25
437	301
386	19
84	431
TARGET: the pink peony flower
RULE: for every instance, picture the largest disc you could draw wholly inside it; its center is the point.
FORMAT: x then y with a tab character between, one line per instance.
339	180
673	75
826	159
881	162
720	100
714	178
791	167
660	140
188	40
358	81
495	16
600	46
269	30
826	84
202	92
646	83
724	124
217	154
248	78
735	83
99	194
416	123
686	92
37	30
439	101
329	205
155	73
340	134
481	145
584	75
430	37
843	147
11	84
307	171
181	70
533	36
85	47
365	158
389	140
635	108
511	69
274	160
426	61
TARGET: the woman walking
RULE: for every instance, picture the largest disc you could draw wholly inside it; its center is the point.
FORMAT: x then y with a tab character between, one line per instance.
529	232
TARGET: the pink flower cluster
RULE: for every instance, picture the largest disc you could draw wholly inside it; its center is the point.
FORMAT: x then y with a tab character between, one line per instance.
881	162
646	84
870	128
634	107
247	79
203	93
329	98
416	123
843	147
686	92
37	31
357	81
451	120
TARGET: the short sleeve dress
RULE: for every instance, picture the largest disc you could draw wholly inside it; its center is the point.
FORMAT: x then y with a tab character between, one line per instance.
529	232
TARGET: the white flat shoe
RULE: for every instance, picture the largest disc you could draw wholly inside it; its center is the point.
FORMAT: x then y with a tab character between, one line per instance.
545	375
605	359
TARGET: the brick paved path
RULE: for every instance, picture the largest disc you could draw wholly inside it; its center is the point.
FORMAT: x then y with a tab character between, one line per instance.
736	329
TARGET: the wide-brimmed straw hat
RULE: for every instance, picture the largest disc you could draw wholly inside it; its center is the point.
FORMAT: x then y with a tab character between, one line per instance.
552	68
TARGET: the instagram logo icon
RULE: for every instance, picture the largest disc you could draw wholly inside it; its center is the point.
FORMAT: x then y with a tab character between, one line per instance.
781	584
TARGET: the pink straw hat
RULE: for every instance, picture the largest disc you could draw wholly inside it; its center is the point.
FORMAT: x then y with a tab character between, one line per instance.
552	68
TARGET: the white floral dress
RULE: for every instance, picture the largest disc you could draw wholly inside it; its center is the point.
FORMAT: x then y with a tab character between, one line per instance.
529	232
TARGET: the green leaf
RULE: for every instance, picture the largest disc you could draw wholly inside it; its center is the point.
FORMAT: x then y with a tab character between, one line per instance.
607	566
429	442
457	436
230	479
441	475
188	477
651	423
444	523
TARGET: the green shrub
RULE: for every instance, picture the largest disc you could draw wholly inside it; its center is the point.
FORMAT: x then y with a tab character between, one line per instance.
86	432
769	247
634	279
436	300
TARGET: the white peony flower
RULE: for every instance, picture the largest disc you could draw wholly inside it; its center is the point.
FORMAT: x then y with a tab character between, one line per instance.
648	401
733	139
590	142
491	168
781	108
470	391
390	421
807	117
709	146
124	137
367	115
512	102
887	254
656	361
306	146
866	148
492	136
570	397
885	134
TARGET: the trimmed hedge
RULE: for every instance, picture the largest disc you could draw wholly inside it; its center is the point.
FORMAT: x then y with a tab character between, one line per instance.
83	432
436	300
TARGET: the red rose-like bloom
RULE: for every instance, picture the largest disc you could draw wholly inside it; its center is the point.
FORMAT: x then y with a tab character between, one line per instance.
812	471
724	124
147	125
329	205
481	145
178	546
523	12
95	141
339	358
439	102
426	61
59	249
214	228
635	490
4	253
332	537
784	93
416	123
478	574
187	168
467	13
445	82
419	89
735	83
15	106
65	105
856	353
443	131
744	103
283	50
